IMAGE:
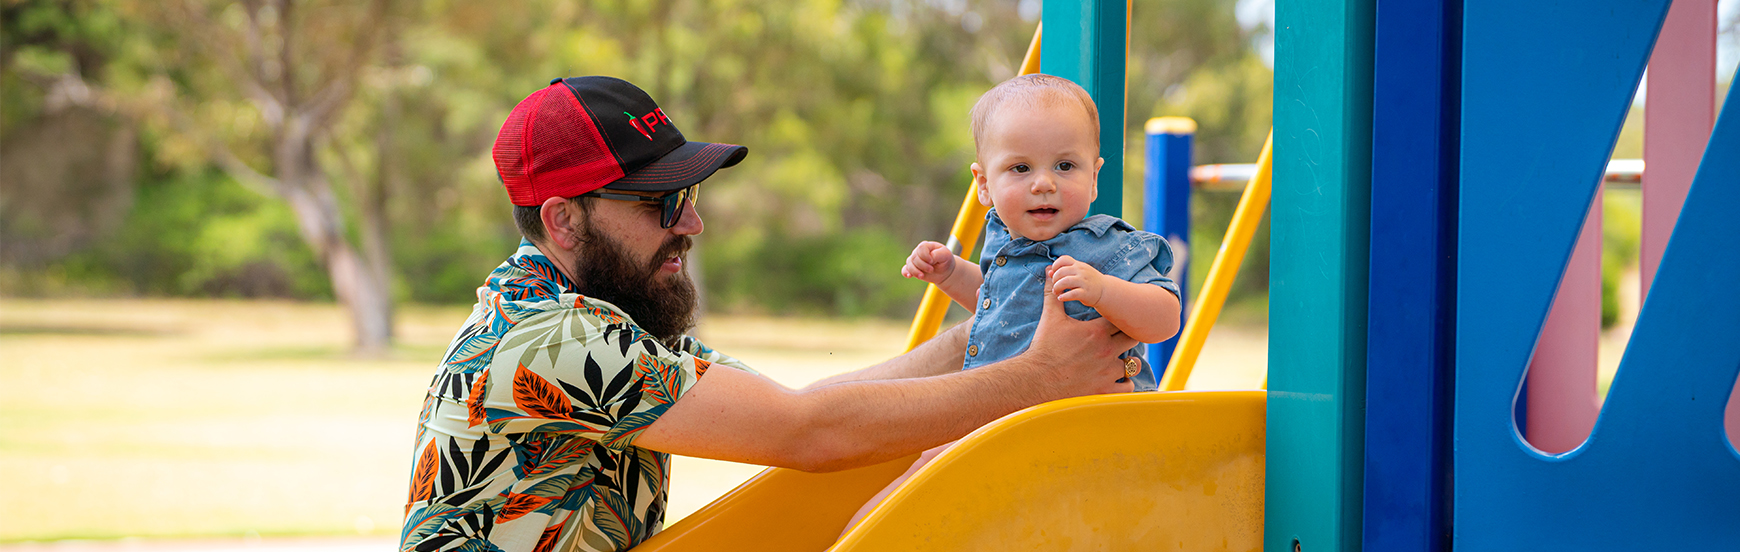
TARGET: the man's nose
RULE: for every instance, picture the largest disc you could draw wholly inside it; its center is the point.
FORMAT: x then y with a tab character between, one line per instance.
689	223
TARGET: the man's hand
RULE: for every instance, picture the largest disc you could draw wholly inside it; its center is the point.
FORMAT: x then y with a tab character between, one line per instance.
931	262
1076	281
1080	357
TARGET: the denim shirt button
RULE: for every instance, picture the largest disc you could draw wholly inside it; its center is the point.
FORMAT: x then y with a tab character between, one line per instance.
1001	260
986	305
972	350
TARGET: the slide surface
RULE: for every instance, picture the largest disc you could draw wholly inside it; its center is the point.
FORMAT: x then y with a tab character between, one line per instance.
1175	470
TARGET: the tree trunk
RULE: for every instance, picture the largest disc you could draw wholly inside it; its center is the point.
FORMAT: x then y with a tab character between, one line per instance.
366	296
358	281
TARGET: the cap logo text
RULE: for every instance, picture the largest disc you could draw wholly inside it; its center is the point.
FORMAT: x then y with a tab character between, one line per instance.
646	123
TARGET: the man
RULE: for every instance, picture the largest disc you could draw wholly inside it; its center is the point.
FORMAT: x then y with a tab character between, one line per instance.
550	423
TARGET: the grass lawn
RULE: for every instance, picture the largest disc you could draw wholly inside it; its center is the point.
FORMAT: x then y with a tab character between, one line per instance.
208	418
241	419
186	418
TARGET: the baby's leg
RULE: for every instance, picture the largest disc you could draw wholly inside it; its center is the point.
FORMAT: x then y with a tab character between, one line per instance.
923	458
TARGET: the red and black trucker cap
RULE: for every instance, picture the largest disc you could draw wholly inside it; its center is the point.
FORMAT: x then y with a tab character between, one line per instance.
584	133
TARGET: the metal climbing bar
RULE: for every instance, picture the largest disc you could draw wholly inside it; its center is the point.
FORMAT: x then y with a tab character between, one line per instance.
1221	274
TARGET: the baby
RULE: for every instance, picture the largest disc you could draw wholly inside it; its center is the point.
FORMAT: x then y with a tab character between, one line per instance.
1038	146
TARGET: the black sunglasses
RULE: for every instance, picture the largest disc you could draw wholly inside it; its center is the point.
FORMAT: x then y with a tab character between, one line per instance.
672	208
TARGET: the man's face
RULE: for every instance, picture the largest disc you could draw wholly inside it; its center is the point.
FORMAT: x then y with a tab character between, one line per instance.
627	259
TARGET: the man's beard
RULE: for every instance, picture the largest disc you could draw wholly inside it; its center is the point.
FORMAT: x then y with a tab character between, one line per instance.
665	309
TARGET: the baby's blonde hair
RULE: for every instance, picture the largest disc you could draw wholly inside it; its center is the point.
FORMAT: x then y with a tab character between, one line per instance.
1029	91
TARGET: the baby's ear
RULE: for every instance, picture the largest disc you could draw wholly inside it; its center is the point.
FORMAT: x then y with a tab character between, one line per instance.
979	183
1099	162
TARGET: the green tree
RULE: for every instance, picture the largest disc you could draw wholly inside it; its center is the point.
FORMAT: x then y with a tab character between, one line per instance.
855	112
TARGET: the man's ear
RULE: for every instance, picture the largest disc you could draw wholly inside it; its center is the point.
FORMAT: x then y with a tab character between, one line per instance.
979	182
561	222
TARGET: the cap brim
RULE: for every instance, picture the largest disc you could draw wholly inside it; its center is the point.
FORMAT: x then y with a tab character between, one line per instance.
685	166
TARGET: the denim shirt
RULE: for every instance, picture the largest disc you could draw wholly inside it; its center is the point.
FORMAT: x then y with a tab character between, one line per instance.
1013	293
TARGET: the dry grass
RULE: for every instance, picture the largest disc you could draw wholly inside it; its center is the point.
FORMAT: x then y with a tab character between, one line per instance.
185	418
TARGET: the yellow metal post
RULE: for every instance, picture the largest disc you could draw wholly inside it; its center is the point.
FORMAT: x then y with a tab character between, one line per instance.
968	224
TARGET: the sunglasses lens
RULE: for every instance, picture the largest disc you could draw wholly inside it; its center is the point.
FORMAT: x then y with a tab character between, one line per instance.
673	206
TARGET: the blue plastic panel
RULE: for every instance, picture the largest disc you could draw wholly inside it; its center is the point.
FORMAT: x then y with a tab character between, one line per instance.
1413	246
1545	88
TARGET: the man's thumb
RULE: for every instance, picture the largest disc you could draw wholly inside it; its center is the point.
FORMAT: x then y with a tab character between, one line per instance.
1051	306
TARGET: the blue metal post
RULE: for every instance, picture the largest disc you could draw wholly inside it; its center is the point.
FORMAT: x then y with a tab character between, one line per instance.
1166	211
1085	41
1415	66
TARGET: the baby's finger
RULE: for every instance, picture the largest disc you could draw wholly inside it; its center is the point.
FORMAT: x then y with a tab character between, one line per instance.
1071	295
938	256
1067	283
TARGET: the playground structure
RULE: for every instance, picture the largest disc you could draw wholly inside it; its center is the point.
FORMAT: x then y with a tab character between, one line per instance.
1392	336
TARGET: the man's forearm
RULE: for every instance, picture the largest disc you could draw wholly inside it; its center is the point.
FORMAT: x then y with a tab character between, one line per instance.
866	422
941	355
744	417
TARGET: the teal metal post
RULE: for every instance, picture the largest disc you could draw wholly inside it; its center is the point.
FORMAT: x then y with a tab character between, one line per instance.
1318	274
1085	41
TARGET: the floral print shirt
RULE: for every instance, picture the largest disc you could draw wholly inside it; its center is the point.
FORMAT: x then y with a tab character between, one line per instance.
526	439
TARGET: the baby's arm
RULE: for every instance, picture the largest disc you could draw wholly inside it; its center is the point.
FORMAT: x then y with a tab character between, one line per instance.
1146	312
957	277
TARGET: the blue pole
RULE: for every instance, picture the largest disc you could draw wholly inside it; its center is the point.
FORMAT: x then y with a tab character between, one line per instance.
1166	210
1411	313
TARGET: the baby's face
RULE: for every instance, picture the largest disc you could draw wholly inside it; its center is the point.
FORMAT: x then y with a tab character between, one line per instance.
1039	167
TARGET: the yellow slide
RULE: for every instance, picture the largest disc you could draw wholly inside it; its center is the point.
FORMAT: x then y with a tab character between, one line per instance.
1137	471
1173	470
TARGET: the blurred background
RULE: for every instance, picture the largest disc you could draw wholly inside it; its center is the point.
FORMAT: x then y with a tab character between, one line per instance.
236	236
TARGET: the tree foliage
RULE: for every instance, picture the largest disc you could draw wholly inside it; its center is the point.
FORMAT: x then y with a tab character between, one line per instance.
855	113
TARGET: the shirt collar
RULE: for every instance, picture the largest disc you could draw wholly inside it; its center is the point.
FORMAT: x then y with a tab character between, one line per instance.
529	275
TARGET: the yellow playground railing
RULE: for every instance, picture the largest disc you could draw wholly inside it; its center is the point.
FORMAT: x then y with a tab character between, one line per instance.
1221	273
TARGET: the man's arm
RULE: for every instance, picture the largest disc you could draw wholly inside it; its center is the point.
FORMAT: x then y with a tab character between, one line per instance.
741	417
941	355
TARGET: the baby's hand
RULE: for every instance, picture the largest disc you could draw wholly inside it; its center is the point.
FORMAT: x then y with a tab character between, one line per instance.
1076	281
931	262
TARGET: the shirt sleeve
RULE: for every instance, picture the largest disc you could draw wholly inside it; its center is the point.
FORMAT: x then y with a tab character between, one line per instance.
1149	259
585	372
695	348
